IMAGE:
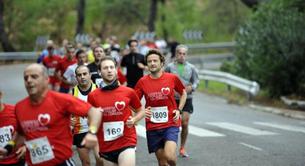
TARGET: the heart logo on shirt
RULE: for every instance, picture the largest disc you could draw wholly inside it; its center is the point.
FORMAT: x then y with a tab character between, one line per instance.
44	119
119	105
165	91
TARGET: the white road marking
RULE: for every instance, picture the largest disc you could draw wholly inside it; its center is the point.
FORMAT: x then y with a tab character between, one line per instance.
241	129
283	127
251	146
203	132
141	131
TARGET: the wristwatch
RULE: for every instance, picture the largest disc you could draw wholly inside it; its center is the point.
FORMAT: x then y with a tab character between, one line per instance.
92	130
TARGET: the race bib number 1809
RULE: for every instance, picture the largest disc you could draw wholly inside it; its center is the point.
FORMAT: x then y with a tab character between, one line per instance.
159	114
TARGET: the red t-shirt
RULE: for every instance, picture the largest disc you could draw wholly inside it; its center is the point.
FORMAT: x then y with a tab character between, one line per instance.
8	125
122	79
50	119
116	104
51	62
62	67
159	93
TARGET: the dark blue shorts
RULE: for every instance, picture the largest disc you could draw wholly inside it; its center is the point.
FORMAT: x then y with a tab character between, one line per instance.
156	138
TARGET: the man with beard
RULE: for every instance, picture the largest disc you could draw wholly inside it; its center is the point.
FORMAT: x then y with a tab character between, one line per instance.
162	126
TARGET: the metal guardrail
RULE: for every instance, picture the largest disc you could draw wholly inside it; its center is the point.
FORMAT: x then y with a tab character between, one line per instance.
218	45
18	56
251	87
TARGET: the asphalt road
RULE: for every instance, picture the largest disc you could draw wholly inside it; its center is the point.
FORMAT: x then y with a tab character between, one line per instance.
221	134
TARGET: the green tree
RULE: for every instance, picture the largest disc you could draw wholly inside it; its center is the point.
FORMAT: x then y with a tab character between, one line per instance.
270	48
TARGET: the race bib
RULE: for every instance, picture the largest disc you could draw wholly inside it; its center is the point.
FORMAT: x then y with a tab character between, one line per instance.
159	114
40	150
113	130
5	136
51	71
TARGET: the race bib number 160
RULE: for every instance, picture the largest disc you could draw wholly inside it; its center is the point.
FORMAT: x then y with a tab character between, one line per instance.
113	130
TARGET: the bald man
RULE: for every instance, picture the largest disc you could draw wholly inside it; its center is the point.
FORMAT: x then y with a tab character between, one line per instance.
44	119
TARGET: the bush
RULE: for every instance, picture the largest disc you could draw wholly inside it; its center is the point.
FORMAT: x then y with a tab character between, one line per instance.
271	48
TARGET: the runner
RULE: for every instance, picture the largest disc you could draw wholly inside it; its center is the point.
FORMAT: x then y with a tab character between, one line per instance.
80	124
44	118
50	62
62	66
189	76
8	126
163	125
69	75
98	53
117	134
134	64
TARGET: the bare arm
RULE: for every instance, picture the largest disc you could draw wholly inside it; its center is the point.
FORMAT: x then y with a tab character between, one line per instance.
182	101
94	118
140	113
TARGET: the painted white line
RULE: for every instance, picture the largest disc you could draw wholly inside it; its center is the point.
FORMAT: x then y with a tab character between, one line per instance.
241	129
203	132
283	127
251	146
141	131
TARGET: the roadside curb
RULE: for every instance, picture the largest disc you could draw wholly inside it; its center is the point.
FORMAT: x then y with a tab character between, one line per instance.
284	112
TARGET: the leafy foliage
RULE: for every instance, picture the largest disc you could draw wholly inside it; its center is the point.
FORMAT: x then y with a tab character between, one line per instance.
270	48
25	20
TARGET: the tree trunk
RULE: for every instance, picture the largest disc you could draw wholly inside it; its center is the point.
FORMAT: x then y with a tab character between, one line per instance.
152	15
80	17
6	45
251	3
163	20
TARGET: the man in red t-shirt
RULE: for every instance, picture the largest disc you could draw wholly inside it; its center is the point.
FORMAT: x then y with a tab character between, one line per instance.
8	125
50	62
163	124
62	66
44	120
117	134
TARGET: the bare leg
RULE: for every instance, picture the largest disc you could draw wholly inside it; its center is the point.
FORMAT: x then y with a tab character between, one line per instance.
170	152
162	161
185	130
127	157
84	156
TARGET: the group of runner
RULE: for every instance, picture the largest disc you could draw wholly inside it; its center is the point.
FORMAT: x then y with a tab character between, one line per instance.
101	111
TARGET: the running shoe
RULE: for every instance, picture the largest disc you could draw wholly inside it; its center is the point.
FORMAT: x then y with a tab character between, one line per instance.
183	153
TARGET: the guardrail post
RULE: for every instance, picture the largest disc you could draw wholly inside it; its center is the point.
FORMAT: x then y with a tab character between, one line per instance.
249	96
229	88
206	83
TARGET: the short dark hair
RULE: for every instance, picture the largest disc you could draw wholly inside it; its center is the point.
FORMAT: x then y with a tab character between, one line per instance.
157	52
80	67
108	58
80	51
132	40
